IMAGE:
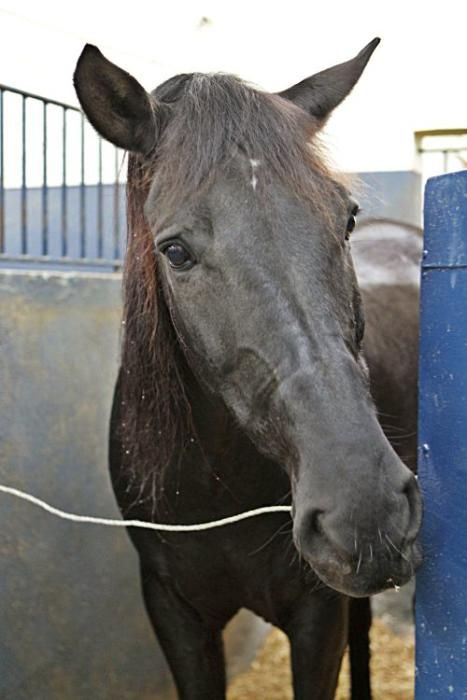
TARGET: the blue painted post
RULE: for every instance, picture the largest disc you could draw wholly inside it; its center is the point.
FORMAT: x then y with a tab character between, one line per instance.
441	598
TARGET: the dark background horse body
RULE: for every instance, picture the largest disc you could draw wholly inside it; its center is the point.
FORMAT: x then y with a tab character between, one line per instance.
242	381
387	258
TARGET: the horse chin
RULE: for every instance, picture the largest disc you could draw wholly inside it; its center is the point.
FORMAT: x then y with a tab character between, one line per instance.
370	577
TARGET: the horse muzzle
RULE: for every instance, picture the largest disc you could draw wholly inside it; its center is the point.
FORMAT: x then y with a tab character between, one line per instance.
362	553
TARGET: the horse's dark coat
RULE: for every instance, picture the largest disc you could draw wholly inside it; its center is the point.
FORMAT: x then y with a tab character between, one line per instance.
242	381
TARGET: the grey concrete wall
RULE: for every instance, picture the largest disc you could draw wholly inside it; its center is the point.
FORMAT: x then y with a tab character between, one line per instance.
73	625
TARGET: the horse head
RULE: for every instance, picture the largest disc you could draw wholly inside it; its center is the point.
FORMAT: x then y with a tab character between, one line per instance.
247	231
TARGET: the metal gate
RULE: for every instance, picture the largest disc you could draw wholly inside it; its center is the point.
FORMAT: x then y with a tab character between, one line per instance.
61	187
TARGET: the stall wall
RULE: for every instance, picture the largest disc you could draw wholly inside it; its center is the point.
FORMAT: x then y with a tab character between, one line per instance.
73	623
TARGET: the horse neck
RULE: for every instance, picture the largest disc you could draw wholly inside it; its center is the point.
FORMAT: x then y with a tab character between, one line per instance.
226	454
214	429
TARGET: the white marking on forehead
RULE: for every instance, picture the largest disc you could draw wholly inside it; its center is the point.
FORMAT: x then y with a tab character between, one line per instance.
254	164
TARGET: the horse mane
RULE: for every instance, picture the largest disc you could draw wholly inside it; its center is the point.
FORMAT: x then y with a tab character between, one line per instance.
208	118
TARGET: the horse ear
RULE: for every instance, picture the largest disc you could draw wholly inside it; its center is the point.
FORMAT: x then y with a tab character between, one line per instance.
117	106
322	92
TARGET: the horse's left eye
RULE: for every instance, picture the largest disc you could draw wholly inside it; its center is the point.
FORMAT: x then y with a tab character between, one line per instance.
178	256
351	222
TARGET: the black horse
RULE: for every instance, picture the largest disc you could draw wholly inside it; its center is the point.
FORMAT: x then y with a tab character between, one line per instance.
243	382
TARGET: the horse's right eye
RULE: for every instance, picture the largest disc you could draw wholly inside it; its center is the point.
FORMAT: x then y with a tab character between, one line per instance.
351	221
178	256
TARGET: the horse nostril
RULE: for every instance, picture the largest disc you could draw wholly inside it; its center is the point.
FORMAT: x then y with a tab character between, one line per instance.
309	529
316	525
412	493
319	543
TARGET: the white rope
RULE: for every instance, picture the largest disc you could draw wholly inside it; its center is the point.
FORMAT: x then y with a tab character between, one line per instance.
162	527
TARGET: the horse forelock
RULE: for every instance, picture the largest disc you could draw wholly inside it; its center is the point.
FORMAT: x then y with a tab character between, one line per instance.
212	116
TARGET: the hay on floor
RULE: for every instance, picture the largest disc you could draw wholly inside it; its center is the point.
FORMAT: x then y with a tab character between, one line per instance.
269	675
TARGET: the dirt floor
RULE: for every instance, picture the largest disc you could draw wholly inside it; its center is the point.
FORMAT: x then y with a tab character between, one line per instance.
269	675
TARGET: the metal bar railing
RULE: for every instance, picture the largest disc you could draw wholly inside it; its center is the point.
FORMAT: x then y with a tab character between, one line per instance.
24	212
462	149
64	199
112	263
100	219
45	218
441	150
2	179
82	196
41	98
116	240
44	194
